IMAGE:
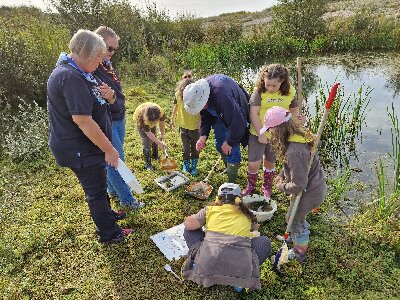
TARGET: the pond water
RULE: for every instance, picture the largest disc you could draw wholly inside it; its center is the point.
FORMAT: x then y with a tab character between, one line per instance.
375	71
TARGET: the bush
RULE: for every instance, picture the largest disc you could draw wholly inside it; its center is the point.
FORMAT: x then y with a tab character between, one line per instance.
29	48
24	132
120	15
299	18
148	32
363	31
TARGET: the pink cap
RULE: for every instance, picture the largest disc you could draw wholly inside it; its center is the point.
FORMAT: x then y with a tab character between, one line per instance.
275	116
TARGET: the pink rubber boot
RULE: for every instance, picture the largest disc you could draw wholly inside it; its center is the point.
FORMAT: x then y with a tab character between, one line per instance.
251	184
268	178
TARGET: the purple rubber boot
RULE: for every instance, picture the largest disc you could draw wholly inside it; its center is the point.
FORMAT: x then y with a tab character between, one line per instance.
267	183
251	184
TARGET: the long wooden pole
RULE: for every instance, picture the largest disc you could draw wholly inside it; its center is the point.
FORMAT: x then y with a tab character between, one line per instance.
299	85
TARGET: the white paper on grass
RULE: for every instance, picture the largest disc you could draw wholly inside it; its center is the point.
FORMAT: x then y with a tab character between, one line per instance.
171	242
128	177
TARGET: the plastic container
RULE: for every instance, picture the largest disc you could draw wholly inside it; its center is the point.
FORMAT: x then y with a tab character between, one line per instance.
262	216
172	181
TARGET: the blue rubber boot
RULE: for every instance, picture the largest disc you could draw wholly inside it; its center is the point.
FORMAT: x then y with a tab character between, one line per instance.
194	167
186	166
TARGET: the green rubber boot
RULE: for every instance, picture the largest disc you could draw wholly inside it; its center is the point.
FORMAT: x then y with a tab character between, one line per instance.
232	172
225	163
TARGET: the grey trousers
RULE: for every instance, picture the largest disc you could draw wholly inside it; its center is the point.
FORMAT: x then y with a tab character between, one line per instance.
146	142
308	201
189	139
261	244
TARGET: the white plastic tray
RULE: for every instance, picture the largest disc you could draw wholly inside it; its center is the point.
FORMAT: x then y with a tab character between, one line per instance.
176	180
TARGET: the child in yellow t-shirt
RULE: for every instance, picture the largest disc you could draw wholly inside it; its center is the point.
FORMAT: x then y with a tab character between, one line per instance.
146	117
227	253
188	126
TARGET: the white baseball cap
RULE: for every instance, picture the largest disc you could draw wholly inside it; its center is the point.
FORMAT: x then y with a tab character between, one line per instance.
195	96
229	189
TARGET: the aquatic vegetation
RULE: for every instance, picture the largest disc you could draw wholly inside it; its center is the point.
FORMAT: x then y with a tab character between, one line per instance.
388	203
338	187
395	155
344	124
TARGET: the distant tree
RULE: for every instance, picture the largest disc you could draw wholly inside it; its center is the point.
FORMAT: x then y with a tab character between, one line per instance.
120	15
299	18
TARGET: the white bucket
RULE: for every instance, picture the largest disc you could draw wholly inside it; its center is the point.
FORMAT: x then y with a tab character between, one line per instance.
262	216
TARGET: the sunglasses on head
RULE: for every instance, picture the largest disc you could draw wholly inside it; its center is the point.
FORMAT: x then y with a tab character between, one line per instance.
111	49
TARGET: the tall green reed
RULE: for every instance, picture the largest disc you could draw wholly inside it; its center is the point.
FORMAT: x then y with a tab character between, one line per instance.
387	204
380	174
344	124
395	155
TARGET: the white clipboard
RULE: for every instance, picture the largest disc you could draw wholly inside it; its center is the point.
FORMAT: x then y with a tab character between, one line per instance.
129	178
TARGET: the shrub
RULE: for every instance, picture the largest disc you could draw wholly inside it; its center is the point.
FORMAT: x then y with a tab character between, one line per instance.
120	15
299	18
24	133
29	47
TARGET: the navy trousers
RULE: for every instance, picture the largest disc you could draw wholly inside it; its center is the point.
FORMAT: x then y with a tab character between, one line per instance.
94	183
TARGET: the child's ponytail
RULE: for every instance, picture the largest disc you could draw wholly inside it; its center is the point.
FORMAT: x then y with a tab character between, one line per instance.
187	78
236	200
246	211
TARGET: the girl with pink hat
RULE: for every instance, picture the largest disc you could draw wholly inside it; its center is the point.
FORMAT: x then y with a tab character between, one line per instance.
292	145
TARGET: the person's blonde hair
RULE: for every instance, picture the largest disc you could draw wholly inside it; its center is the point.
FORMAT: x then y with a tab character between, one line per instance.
87	44
187	78
274	71
280	135
106	32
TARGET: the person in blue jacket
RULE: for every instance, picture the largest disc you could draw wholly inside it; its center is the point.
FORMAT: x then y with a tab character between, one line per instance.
224	106
116	186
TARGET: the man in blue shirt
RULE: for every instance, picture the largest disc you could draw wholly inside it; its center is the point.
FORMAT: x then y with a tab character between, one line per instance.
223	105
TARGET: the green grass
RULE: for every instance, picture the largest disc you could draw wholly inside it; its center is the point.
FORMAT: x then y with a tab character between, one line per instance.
49	250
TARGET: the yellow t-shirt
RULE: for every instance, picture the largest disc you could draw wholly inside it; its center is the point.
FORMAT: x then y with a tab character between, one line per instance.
185	120
142	107
269	100
297	138
227	219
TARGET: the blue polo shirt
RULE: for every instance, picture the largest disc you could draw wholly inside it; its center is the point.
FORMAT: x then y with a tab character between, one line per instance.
68	93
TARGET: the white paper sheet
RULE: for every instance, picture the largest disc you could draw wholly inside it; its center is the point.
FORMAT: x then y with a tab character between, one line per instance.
171	242
129	178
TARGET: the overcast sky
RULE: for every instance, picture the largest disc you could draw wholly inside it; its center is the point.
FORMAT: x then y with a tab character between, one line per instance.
202	8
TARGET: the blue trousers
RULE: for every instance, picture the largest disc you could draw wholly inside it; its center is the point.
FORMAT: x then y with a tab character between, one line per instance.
94	183
115	183
222	133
